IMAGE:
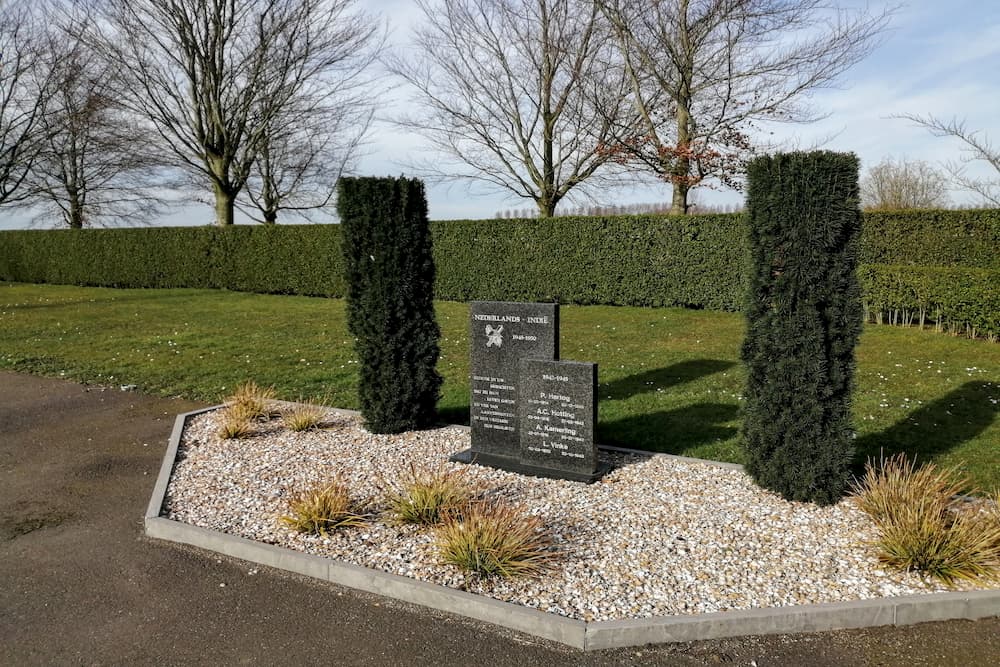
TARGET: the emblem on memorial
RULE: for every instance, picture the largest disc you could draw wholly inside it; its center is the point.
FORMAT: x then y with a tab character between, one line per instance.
494	336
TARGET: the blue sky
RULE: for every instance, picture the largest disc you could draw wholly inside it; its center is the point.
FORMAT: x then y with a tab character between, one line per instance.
938	57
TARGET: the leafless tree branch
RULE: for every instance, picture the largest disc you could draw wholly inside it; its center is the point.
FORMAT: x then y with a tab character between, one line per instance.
318	135
517	95
977	147
86	169
25	86
903	184
212	77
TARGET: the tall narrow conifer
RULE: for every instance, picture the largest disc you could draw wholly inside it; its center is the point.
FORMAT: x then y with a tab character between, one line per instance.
803	321
390	300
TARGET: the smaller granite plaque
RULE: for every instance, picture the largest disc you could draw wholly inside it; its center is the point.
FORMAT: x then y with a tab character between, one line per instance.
557	413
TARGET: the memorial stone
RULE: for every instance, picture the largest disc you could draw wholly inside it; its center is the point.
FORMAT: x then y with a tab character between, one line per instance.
501	335
557	412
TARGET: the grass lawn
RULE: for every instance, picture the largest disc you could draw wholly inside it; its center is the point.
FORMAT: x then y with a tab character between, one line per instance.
670	379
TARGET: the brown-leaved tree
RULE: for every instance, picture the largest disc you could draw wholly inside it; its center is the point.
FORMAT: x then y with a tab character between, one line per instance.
705	73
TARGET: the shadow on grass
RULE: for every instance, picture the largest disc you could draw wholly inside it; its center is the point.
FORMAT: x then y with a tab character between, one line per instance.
646	382
937	427
457	414
662	378
671	431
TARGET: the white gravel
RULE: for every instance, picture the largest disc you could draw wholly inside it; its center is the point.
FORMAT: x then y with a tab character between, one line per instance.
654	537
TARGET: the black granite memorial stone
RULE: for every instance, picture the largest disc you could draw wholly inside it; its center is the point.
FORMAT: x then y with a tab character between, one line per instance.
557	412
501	335
514	350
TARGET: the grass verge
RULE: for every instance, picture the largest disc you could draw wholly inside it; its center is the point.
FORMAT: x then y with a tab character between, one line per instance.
670	379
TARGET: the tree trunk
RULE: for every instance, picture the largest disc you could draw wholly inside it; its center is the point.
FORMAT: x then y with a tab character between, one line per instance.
679	203
270	217
224	205
680	171
74	217
546	206
547	199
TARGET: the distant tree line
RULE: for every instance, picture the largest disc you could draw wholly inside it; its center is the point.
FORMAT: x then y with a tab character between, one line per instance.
654	208
112	109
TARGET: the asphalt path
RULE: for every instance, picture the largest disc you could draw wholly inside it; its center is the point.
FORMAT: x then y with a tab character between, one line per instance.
81	585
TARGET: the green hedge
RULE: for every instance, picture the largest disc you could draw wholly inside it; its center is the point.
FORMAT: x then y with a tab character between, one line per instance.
953	299
932	238
695	261
287	259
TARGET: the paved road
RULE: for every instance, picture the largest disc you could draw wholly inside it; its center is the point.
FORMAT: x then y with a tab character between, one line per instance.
79	584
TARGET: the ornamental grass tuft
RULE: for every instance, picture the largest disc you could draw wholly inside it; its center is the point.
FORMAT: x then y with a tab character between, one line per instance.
924	525
237	421
304	416
325	508
492	538
959	545
425	495
253	400
896	482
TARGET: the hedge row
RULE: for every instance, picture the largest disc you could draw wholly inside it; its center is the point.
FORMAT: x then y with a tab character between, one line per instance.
696	261
292	259
953	299
932	238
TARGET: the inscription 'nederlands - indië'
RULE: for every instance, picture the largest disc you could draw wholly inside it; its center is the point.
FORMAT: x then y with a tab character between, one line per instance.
483	317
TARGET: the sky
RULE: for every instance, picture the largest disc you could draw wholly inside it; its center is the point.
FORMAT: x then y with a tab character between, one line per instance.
939	58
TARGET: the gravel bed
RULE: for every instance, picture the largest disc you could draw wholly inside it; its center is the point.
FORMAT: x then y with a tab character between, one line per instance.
654	537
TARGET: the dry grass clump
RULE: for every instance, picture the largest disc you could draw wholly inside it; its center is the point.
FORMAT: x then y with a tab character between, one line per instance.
490	537
896	482
325	508
237	422
253	400
424	495
923	526
303	416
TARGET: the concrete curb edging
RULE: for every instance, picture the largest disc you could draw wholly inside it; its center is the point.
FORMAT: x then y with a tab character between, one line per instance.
578	634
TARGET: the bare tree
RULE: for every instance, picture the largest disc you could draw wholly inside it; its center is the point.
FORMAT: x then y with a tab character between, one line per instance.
705	72
903	184
211	77
299	162
317	135
87	168
977	147
517	95
24	90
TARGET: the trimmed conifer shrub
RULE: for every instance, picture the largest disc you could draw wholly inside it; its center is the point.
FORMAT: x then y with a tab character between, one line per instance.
389	269
804	317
